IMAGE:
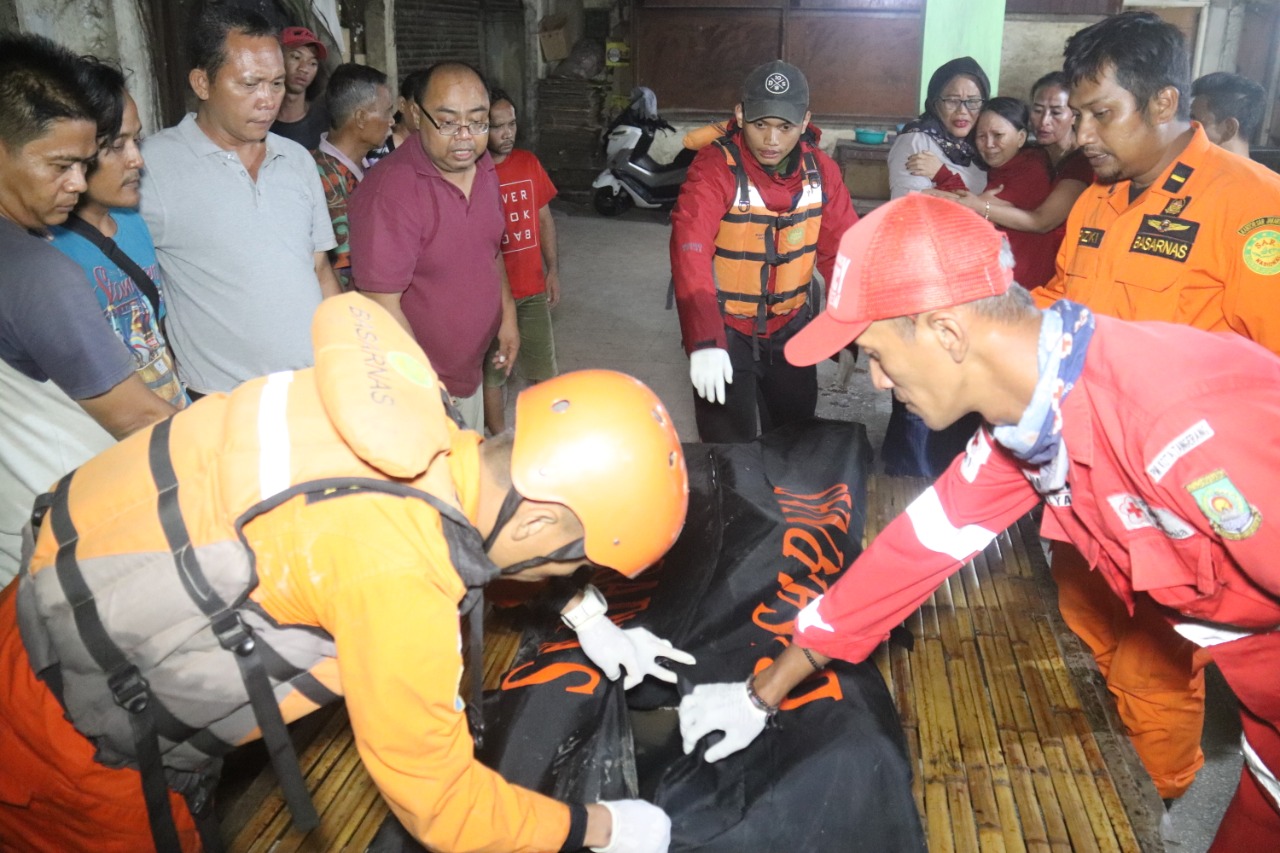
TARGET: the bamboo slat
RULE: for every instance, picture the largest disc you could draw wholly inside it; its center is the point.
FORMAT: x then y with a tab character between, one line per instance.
351	810
1003	739
1006	758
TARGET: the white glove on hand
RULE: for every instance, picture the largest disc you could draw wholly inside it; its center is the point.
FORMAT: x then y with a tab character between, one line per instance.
636	650
722	707
638	827
709	370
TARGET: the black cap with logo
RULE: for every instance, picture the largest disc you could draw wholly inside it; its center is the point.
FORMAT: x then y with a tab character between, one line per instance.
775	90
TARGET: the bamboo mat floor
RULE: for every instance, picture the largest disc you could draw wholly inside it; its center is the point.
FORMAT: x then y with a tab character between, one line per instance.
1013	744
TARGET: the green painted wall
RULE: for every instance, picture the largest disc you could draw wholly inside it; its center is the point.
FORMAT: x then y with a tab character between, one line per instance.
962	28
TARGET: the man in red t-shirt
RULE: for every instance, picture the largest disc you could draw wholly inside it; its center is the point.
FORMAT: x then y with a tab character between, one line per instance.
529	252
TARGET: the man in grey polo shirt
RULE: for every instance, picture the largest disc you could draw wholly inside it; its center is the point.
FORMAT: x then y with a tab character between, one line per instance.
239	216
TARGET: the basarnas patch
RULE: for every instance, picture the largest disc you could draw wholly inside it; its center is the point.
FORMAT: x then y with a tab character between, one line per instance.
1229	513
1165	237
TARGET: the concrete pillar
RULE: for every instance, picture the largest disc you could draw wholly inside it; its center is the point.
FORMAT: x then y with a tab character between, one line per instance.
106	29
8	16
380	39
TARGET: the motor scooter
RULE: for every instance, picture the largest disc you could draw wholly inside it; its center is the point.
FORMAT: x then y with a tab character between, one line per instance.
631	176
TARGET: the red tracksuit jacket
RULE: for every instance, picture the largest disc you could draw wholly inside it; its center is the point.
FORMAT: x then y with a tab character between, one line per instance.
1173	436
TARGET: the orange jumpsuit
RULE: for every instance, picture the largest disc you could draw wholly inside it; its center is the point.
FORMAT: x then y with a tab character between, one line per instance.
372	570
1201	246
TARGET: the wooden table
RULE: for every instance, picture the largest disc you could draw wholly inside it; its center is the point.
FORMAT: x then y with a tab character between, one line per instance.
1013	739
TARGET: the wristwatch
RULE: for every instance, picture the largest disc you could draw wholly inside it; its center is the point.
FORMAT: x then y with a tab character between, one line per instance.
591	606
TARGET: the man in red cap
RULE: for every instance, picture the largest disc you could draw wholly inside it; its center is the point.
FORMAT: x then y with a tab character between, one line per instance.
1164	487
299	119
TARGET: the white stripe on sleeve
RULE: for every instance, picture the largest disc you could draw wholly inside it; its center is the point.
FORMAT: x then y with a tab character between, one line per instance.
936	532
811	618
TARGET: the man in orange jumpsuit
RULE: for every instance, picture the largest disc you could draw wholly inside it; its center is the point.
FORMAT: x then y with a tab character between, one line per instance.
324	526
1175	229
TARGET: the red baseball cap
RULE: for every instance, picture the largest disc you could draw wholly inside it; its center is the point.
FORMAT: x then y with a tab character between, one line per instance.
914	254
296	36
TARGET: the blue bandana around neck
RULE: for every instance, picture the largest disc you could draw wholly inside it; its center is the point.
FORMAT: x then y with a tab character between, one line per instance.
1065	332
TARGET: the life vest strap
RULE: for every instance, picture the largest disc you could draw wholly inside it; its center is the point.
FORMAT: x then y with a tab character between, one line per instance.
764	257
231	632
784	220
734	156
175	526
767	298
475	658
811	172
236	637
128	688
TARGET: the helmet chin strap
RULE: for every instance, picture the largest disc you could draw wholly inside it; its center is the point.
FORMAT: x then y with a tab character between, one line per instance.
575	550
512	500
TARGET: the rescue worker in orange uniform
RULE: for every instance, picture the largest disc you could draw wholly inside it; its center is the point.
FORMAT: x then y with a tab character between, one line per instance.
760	209
310	536
1174	229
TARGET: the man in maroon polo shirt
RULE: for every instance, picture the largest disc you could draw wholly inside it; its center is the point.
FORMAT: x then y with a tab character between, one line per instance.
426	236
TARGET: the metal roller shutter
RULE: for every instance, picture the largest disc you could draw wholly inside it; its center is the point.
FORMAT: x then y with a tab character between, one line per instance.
428	31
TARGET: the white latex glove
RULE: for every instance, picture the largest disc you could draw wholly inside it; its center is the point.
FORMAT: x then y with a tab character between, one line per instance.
638	827
722	707
709	370
636	650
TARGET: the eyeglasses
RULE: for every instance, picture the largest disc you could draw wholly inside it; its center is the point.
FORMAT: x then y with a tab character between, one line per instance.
953	105
453	128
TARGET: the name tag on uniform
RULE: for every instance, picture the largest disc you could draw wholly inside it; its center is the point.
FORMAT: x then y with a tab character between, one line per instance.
1165	237
1091	237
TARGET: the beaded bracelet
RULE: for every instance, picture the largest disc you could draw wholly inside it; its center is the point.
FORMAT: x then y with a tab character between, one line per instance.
761	705
986	212
808	655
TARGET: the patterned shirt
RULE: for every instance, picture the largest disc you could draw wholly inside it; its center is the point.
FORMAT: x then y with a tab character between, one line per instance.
339	176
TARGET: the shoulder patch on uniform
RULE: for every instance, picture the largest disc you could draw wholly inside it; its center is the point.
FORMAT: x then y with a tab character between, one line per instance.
1176	206
1195	435
1177	178
1229	513
1091	237
1262	252
1273	221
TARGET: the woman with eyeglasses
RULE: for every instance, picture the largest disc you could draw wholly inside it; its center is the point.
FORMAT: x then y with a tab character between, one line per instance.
937	148
1069	173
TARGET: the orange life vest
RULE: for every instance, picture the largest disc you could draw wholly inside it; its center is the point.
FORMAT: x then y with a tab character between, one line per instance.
754	242
170	687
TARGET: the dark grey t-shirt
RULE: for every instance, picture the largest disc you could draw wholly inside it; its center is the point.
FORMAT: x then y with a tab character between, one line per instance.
51	326
306	130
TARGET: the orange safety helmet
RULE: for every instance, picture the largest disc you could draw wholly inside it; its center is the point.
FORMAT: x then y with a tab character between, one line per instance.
602	444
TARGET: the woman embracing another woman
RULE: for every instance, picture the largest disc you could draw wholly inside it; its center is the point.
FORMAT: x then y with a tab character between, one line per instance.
1035	221
936	150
